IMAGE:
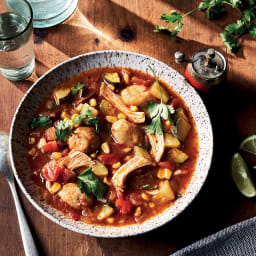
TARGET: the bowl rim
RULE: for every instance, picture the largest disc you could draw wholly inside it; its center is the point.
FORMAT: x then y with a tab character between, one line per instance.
109	235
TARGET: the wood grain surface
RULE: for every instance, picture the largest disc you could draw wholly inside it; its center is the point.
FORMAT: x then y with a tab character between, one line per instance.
128	25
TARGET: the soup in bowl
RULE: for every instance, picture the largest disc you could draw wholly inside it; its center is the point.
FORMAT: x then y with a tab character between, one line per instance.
111	150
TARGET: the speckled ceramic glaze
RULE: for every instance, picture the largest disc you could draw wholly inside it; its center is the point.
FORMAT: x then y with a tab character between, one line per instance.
60	73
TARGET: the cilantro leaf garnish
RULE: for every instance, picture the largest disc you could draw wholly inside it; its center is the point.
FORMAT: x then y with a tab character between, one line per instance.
77	88
63	129
158	111
148	186
214	9
252	29
42	121
89	184
88	119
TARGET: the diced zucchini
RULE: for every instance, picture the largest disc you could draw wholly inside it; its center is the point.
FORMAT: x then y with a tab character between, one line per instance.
92	109
62	95
154	90
177	156
112	78
126	76
99	169
107	108
183	128
170	141
138	151
179	113
105	212
165	193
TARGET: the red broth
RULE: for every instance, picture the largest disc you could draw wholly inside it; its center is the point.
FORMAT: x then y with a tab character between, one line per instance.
137	201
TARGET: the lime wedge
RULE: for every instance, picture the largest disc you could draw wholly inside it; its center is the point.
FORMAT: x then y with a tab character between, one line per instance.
249	144
241	176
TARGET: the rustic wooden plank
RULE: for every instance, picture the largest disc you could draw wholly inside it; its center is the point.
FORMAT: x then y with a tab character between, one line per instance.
128	25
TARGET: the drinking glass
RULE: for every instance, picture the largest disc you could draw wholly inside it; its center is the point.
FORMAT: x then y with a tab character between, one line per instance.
48	13
17	59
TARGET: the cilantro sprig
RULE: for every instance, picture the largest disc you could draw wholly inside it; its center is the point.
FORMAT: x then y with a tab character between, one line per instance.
158	111
214	9
63	129
89	184
77	88
42	121
88	119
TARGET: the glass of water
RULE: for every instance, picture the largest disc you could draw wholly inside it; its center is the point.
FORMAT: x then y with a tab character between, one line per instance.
48	13
17	59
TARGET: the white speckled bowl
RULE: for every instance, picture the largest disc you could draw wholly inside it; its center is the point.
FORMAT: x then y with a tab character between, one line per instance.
61	72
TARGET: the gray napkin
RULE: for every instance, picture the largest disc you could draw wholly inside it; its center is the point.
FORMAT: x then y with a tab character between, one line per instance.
236	240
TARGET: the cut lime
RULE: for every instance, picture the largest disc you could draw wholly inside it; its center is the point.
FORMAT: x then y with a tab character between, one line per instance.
241	176
249	144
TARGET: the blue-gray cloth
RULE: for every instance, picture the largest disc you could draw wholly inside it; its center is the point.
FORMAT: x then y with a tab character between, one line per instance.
236	240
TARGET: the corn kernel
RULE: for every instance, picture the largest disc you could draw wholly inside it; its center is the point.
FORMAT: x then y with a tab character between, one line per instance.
151	205
77	124
35	173
127	158
93	102
64	115
138	211
110	220
167	123
134	108
80	107
105	148
111	119
144	196
74	116
126	150
93	155
111	87
116	165
121	116
56	155
53	189
106	181
95	112
32	151
32	140
164	173
41	143
66	119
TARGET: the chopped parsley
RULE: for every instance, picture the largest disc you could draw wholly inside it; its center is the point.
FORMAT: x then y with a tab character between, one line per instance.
158	111
63	129
42	121
89	184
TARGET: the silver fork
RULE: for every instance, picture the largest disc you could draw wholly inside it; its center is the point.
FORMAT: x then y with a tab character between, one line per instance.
28	241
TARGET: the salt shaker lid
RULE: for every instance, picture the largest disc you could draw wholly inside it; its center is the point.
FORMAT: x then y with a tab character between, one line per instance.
209	63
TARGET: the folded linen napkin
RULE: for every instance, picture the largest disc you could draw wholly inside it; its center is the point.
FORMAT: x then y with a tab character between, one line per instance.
236	240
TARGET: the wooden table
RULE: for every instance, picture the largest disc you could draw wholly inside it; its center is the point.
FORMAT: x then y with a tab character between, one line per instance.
128	25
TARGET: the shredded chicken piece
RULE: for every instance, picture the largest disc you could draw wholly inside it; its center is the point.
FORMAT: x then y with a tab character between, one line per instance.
76	159
138	161
157	143
115	100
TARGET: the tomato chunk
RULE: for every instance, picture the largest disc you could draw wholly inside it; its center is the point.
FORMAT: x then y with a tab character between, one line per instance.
51	146
64	176
52	170
167	164
74	214
124	206
109	159
175	103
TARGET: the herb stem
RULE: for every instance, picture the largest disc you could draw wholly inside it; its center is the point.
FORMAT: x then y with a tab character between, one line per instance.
188	13
159	87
